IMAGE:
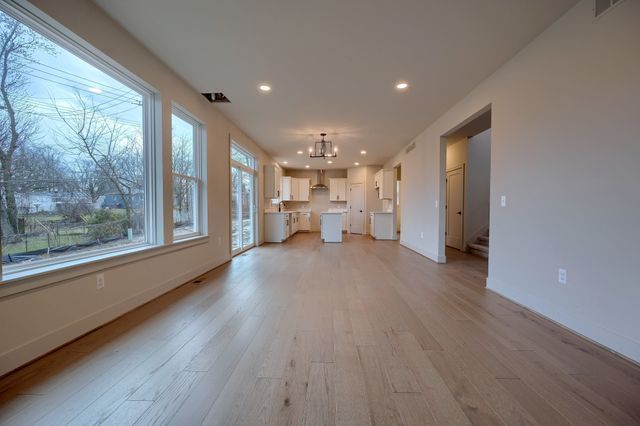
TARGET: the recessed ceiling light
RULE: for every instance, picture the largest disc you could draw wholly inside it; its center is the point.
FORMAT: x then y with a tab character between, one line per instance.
402	85
285	162
363	152
95	90
356	164
307	166
299	152
330	162
264	88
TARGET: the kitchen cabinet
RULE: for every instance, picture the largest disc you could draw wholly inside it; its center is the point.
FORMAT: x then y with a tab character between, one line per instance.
330	227
338	189
304	185
381	225
294	189
285	188
344	222
277	227
272	175
305	222
295	218
383	182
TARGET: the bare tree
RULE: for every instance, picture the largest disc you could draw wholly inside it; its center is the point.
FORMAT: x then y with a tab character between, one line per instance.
17	125
182	164
114	149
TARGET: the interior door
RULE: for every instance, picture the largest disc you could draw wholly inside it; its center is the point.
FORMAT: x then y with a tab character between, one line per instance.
455	207
356	208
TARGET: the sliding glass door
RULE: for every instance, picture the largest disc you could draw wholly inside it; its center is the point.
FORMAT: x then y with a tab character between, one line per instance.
243	200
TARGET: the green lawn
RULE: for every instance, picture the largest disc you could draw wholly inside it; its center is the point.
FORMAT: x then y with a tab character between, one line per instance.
40	242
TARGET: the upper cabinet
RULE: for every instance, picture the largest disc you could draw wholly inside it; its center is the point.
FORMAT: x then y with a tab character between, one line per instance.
272	175
304	186
338	189
383	182
294	189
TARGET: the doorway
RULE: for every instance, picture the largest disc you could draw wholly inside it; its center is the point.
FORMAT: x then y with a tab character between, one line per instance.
243	200
356	208
397	206
465	191
455	207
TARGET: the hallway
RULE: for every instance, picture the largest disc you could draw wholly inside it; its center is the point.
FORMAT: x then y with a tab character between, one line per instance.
304	332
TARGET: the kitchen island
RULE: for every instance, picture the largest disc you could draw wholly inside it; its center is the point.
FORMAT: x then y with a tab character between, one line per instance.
331	227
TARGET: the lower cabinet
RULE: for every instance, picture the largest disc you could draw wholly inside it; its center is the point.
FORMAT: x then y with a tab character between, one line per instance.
305	222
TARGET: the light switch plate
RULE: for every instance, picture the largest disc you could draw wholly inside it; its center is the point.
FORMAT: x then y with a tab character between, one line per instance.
562	276
503	201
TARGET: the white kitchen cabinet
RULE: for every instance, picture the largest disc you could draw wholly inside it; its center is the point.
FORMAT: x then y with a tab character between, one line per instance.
285	188
330	227
295	219
295	189
277	227
272	175
383	182
304	185
344	222
305	222
338	189
381	225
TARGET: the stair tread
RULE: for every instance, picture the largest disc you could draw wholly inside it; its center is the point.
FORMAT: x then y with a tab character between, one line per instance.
479	247
483	238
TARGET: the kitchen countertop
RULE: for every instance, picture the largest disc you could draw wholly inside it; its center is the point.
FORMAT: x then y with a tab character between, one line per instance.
287	211
381	212
327	212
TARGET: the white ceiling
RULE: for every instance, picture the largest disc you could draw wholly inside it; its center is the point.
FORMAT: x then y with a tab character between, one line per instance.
333	64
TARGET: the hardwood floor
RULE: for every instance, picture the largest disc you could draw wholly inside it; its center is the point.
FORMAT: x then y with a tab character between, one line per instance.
364	332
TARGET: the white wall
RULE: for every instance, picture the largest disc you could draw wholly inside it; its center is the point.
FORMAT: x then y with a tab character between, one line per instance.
565	151
477	186
34	322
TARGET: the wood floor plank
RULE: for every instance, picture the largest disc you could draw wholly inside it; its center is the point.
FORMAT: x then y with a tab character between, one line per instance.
364	332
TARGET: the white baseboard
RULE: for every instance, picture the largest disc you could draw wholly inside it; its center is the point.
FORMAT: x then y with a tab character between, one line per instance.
428	255
25	353
585	327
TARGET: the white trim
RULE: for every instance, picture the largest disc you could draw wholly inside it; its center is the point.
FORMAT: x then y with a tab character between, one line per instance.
32	17
581	325
20	355
57	273
431	256
199	165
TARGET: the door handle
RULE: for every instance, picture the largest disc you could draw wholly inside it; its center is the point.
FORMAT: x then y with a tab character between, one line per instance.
360	211
459	212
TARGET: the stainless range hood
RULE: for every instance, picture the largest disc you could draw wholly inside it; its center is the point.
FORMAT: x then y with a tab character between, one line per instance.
320	182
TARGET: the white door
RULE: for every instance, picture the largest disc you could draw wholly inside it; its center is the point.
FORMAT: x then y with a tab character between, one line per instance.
356	208
455	207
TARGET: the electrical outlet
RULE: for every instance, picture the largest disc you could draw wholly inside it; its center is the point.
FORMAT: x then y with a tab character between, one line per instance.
503	201
562	276
100	281
422	235
436	203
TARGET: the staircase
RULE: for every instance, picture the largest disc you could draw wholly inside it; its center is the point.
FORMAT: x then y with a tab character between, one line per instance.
481	246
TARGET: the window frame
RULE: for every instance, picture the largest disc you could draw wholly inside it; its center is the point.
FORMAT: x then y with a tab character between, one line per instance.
254	171
38	21
199	166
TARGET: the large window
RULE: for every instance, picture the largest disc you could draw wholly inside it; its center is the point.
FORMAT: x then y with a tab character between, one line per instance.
186	158
243	199
75	175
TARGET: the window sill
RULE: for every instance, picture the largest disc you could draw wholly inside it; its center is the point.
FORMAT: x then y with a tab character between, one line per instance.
46	275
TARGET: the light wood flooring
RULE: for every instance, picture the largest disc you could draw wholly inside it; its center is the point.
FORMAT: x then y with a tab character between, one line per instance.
364	332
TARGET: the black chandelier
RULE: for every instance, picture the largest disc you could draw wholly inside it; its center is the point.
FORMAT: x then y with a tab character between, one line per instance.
323	149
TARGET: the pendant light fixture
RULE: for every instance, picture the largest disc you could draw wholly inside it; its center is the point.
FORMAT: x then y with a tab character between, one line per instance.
323	149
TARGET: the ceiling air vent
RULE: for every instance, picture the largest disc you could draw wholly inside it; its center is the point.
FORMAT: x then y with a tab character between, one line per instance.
410	148
218	97
603	5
